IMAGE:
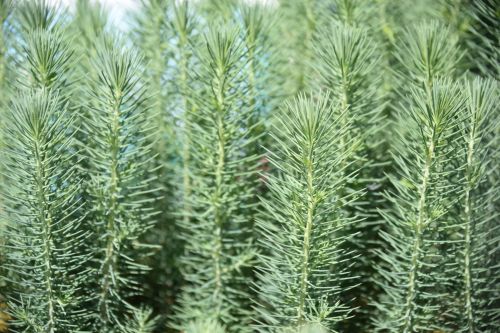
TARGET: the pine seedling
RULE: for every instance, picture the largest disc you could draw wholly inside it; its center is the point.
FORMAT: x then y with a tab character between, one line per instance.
346	63
119	181
302	270
42	203
427	52
218	244
414	276
479	298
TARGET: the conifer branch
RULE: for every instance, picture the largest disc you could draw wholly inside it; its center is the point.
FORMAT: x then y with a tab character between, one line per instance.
218	237
413	277
42	204
300	277
477	211
118	153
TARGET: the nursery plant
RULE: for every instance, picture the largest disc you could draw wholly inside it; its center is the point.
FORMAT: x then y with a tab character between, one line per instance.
237	166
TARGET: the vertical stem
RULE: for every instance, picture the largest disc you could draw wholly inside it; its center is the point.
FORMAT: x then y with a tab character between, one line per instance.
468	231
219	174
46	220
311	205
421	223
110	256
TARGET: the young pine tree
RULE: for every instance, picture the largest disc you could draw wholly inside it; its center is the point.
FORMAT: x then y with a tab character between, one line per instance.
119	182
346	65
42	203
50	298
218	242
302	265
418	219
477	267
415	270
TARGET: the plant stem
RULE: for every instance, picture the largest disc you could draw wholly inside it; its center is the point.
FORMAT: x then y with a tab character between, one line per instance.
46	220
311	205
219	174
421	223
468	231
110	255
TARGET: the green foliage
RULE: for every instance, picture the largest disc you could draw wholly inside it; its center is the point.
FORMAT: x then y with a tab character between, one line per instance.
428	51
41	204
301	276
5	14
218	235
478	307
416	264
204	326
346	59
483	43
154	34
119	150
48	60
154	181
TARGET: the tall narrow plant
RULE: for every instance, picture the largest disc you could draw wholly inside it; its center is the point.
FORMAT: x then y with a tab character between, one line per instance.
301	270
41	201
346	65
119	182
414	277
478	310
218	240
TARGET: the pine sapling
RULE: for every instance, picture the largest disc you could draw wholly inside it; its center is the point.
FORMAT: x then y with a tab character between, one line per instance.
302	266
42	203
218	242
478	310
414	275
119	181
346	66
